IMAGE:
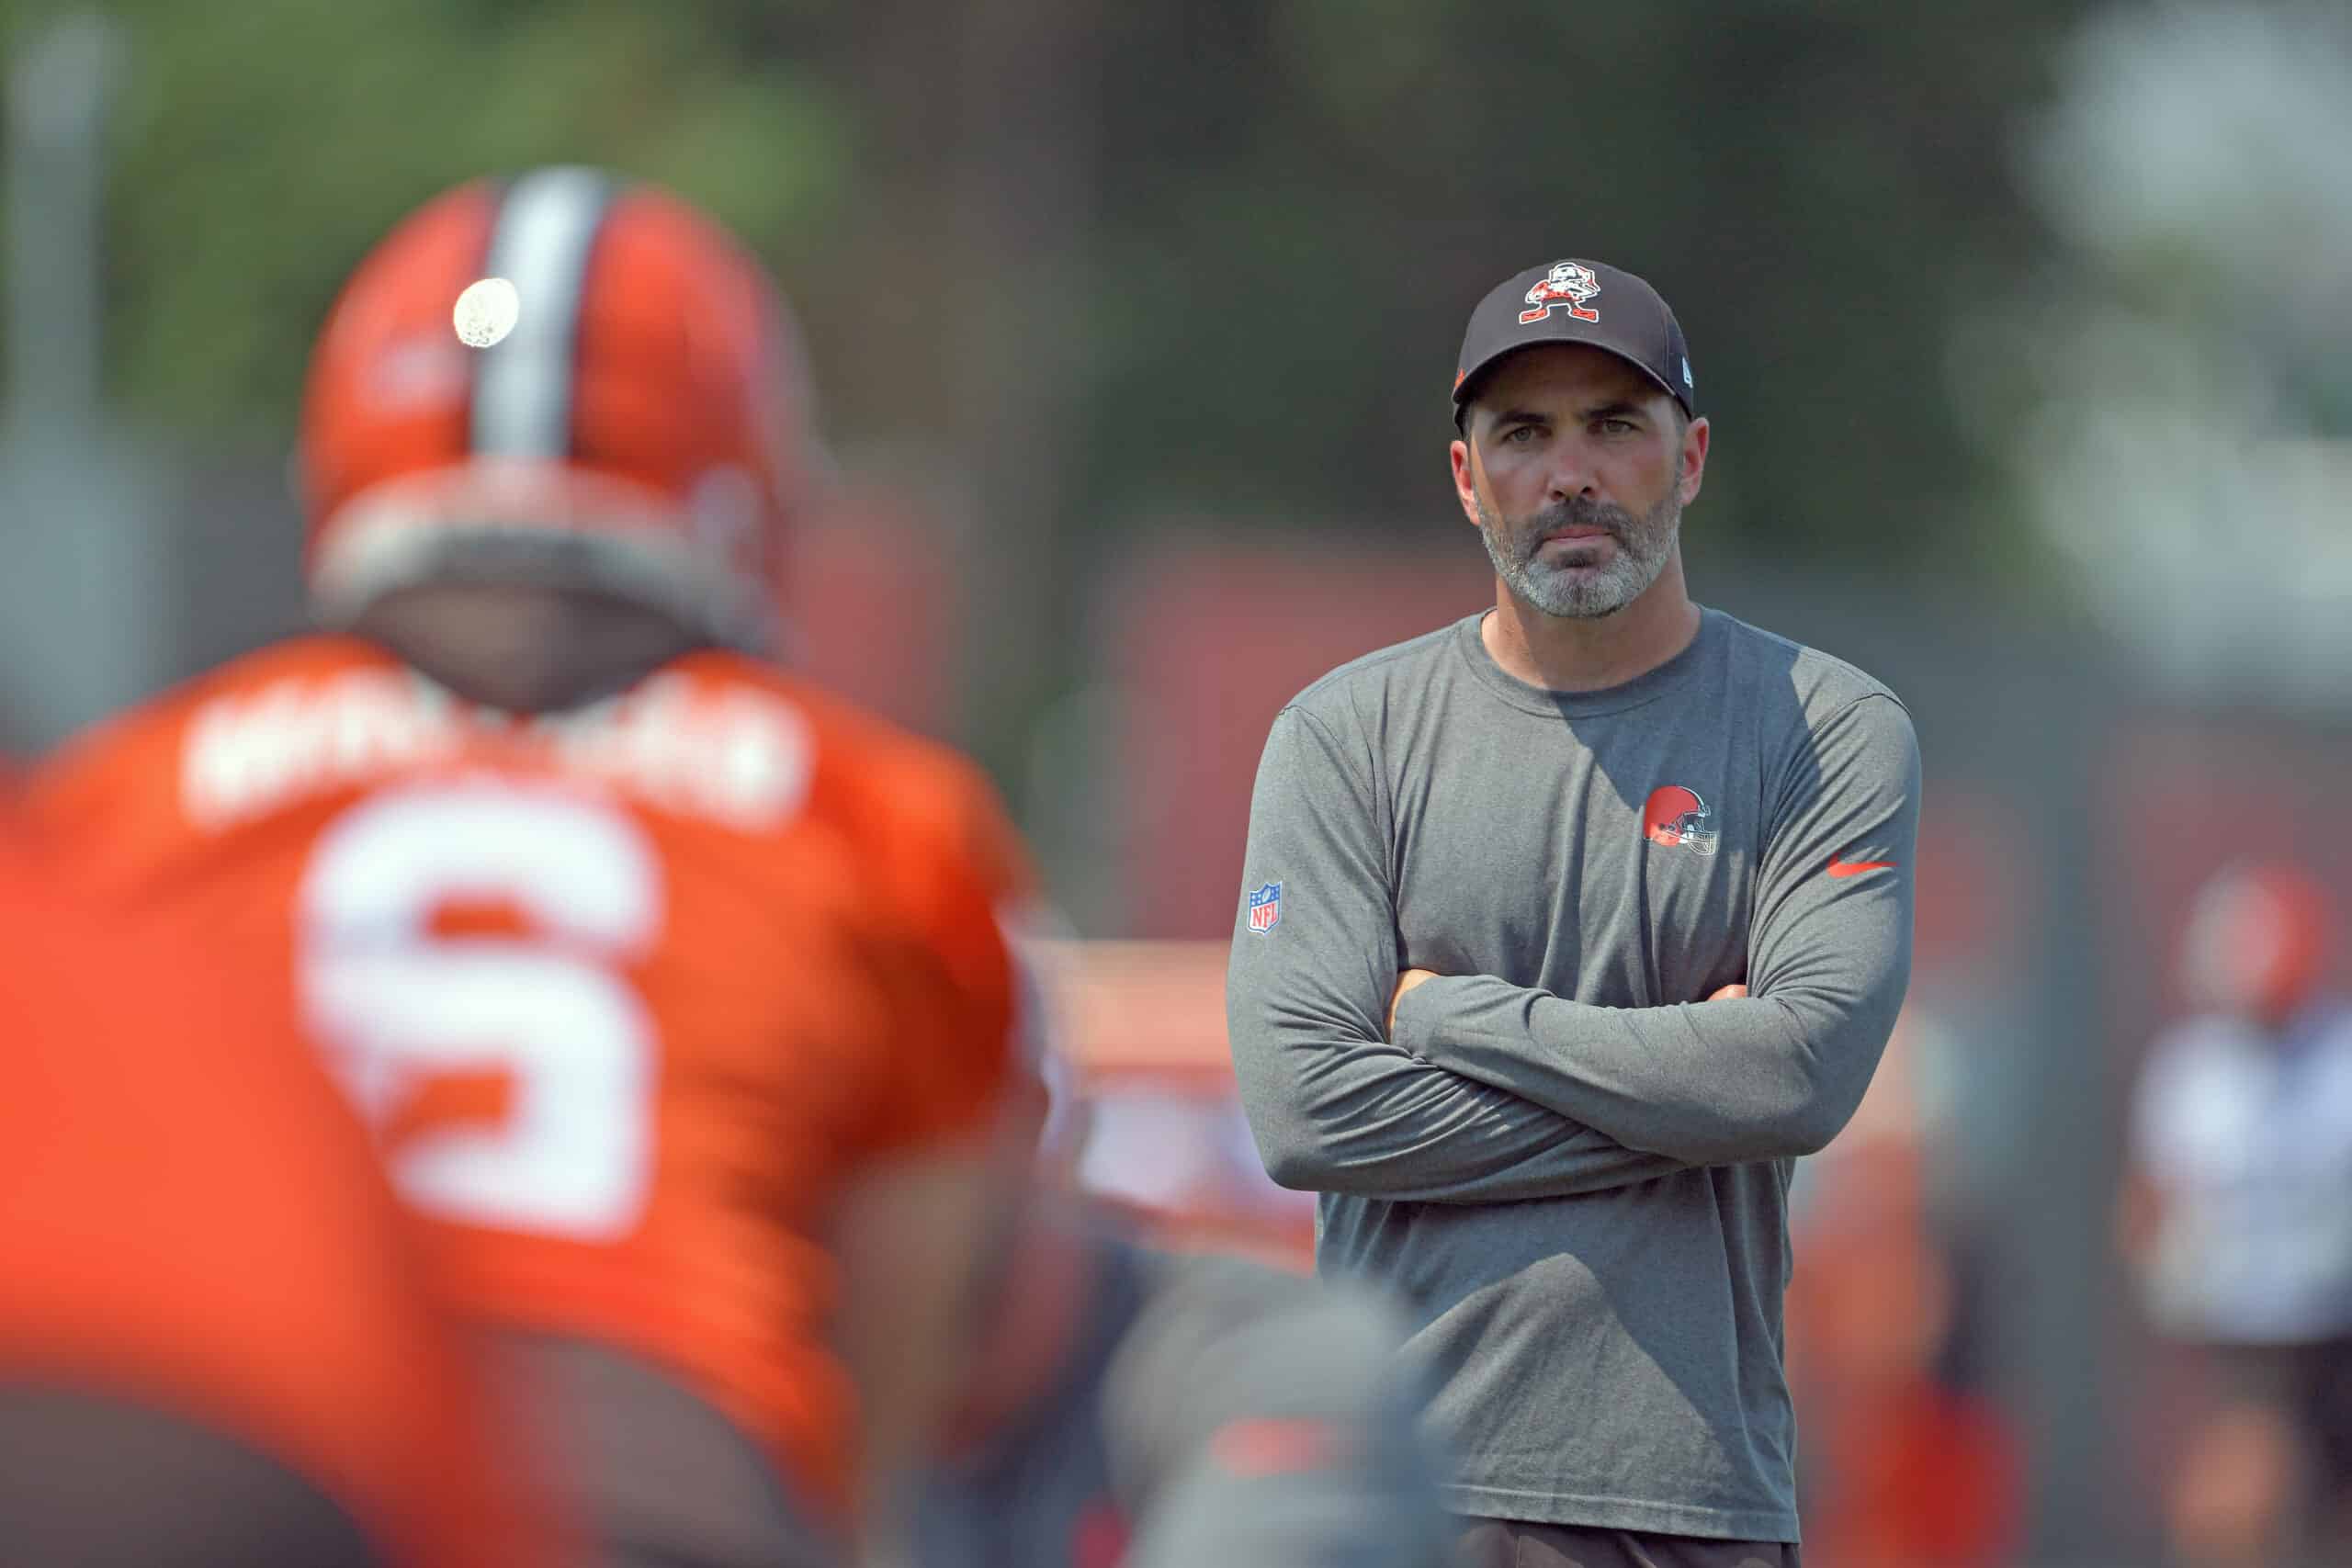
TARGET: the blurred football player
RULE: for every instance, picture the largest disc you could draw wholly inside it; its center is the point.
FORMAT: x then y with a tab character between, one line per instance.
2236	1217
672	986
217	1344
1133	1408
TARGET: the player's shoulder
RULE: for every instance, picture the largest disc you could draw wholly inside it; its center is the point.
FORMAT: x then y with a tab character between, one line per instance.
850	737
271	667
869	776
311	657
136	748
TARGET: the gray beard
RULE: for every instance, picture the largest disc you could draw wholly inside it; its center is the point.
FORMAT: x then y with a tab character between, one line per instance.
1581	593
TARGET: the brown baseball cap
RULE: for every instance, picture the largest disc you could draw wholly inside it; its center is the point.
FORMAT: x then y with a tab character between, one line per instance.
1576	301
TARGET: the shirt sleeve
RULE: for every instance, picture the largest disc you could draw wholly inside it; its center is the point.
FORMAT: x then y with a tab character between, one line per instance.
952	1017
1251	1418
1334	1107
1770	1075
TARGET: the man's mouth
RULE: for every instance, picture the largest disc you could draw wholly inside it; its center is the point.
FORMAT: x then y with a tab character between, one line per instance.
1582	536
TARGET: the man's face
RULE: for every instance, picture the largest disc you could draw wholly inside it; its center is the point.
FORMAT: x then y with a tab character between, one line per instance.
1576	468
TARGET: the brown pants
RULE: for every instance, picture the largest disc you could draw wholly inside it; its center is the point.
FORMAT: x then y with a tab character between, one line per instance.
1513	1543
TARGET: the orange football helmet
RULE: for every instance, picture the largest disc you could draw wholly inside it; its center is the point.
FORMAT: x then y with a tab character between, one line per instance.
2258	940
642	424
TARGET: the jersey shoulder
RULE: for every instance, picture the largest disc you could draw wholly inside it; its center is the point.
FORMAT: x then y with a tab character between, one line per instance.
125	772
933	879
894	795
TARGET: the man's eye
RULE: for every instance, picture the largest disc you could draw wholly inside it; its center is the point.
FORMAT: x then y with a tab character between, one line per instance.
1517	432
1617	426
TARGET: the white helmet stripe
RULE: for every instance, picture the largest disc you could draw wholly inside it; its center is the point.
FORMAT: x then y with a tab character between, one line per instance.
545	228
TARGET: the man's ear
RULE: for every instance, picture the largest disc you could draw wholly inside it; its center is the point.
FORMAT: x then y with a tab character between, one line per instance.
1465	480
1693	460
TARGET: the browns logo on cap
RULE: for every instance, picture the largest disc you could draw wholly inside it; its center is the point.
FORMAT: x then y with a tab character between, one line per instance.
1577	300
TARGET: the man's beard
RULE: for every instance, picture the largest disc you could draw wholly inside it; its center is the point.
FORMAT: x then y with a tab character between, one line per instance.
1575	588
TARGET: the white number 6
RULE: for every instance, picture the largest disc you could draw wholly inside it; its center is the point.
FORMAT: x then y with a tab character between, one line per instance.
399	1005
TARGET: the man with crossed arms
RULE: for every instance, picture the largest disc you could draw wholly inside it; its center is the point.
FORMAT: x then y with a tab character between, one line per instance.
1565	928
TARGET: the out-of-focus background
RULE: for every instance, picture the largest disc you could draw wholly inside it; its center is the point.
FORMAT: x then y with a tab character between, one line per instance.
2024	328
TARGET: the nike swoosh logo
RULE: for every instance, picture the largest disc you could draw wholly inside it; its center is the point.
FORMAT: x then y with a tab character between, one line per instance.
1855	867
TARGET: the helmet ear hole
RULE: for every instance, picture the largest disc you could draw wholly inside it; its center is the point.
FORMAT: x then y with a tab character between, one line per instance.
2256	940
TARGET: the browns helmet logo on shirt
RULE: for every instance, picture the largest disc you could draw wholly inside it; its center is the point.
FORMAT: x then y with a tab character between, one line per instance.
1676	817
1566	288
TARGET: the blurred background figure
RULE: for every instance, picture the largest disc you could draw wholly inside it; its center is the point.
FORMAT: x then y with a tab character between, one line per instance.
1905	1457
673	987
1136	1407
2236	1216
219	1343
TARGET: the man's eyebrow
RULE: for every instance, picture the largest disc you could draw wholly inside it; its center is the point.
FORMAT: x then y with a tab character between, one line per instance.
1517	417
1616	408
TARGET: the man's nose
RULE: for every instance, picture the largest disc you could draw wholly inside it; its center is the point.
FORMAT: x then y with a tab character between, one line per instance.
1572	471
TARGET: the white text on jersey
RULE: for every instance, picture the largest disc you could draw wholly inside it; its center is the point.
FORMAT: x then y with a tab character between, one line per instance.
733	754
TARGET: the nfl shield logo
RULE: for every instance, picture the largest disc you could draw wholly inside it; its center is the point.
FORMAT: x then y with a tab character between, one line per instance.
1265	909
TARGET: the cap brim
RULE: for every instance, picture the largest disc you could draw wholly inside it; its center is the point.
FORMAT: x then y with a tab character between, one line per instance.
1466	385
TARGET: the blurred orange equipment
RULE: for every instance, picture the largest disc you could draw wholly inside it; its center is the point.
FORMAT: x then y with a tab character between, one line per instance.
563	965
649	410
1899	1469
673	987
191	1222
1921	1476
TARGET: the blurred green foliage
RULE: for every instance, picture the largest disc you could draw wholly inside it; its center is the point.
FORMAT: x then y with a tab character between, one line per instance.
263	146
1813	185
1285	210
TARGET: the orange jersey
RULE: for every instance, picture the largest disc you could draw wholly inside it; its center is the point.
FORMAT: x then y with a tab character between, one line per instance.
629	994
191	1219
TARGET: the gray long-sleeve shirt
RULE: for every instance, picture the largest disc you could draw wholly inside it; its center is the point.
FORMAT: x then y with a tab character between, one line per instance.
1573	1168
